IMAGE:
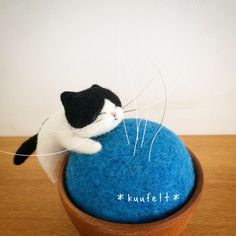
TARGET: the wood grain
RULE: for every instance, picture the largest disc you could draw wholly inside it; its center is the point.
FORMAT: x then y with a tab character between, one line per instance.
30	205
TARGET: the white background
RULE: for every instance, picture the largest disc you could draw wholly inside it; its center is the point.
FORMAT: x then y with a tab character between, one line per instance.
48	46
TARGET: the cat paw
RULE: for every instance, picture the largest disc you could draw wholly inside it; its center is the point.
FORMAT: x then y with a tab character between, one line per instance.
95	148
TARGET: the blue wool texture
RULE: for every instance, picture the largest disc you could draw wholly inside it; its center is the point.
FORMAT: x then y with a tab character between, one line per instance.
117	186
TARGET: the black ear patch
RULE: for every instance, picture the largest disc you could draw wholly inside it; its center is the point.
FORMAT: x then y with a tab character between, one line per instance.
82	108
67	98
95	86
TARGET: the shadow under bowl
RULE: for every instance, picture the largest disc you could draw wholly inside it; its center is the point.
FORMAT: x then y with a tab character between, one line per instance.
172	225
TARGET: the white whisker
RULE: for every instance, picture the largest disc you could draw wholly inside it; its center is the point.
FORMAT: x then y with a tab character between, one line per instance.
159	99
163	115
146	120
145	126
138	121
123	121
144	131
139	93
135	100
126	133
130	110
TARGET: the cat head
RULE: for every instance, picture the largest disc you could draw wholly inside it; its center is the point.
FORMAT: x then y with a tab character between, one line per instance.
93	111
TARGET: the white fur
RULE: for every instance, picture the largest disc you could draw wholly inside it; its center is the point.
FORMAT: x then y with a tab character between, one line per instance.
56	137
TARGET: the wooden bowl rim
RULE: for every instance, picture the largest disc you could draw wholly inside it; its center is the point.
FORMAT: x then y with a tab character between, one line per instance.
187	208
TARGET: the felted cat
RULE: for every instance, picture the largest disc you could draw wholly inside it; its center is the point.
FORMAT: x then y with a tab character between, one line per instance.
89	113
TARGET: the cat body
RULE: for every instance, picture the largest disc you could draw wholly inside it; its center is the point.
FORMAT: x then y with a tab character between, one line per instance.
86	114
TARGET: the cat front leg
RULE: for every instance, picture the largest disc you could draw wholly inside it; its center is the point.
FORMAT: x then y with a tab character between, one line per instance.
78	144
92	146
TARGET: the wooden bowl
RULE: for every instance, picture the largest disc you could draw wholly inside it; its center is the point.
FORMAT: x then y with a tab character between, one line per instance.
174	224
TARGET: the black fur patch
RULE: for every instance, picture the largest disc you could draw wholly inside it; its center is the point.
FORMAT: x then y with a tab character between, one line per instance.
82	108
26	149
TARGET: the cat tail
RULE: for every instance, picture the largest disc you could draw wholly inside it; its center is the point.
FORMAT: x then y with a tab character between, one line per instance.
26	149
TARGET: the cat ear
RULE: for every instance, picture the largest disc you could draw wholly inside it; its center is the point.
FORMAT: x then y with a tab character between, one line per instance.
67	98
95	86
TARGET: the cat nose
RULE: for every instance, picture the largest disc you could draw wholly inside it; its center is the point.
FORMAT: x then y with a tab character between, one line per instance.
113	113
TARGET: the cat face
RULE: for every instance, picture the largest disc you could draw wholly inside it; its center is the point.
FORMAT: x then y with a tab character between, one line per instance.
93	111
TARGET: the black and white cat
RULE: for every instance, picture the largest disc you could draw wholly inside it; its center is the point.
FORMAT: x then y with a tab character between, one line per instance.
89	113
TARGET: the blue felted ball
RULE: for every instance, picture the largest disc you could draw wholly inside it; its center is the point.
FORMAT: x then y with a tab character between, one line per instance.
117	186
